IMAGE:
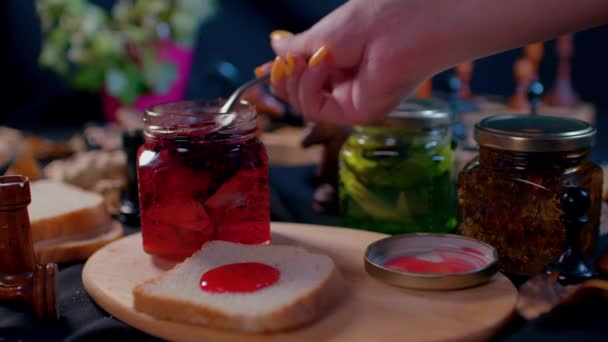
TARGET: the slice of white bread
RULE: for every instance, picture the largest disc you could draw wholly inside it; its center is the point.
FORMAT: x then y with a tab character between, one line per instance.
308	285
77	247
59	210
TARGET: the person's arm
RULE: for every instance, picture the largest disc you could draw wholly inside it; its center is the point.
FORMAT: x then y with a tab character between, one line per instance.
478	28
371	54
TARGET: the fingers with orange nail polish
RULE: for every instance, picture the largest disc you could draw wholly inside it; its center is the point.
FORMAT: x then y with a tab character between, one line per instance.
262	69
290	64
277	72
259	71
277	76
292	81
318	56
279	34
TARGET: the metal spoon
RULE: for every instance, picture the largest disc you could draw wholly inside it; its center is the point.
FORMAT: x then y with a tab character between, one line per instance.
234	98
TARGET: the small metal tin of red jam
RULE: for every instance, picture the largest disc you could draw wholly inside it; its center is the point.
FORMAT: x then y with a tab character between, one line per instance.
431	261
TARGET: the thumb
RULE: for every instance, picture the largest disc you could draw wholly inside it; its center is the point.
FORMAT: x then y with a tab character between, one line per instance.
298	44
343	32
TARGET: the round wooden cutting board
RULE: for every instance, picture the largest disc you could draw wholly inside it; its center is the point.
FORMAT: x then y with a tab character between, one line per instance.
369	310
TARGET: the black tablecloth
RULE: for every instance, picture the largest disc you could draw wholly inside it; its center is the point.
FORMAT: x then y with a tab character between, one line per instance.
291	194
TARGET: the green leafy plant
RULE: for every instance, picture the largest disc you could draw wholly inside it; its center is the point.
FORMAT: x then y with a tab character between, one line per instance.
95	49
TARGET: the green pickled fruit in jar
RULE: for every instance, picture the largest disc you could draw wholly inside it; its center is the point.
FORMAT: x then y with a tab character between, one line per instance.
397	178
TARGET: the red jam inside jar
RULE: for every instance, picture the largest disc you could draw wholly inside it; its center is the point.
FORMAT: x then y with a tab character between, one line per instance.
241	277
202	176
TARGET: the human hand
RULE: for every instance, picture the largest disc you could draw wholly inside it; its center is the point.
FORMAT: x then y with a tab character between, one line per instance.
361	60
351	67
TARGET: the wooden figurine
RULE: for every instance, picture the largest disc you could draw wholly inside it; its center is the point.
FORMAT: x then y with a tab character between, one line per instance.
562	93
464	72
523	70
534	53
426	89
325	197
21	278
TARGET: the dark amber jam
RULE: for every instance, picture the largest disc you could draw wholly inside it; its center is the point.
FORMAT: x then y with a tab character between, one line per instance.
201	177
510	200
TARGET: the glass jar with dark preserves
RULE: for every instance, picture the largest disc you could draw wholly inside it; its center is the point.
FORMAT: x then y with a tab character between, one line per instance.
509	197
202	176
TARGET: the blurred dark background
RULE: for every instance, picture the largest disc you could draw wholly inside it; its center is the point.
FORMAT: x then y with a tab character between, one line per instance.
230	45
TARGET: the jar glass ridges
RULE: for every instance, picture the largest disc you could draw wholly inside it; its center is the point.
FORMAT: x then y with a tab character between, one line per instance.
510	196
396	177
199	180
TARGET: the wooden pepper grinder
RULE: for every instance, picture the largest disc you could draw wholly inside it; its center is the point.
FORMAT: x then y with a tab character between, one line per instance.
21	278
571	266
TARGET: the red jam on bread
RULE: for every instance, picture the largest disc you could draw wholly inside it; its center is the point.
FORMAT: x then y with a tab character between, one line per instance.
240	277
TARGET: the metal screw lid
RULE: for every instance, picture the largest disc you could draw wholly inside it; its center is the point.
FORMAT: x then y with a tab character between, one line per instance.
523	133
420	113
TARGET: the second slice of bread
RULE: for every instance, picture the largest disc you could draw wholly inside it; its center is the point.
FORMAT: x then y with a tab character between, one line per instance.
60	210
76	247
309	284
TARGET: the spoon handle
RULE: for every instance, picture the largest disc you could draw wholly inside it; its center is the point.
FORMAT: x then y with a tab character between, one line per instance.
232	100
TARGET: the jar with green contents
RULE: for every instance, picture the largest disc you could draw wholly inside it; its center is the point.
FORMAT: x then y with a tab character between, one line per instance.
396	177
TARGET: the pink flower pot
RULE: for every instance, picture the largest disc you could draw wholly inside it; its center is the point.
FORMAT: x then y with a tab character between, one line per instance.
168	51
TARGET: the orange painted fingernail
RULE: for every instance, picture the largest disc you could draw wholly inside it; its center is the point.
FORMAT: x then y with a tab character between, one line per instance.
259	71
290	64
279	34
278	70
318	56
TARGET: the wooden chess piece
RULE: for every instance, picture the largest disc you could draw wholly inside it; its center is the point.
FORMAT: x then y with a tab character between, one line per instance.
534	52
129	204
571	266
464	72
325	197
523	70
21	278
562	93
425	90
568	277
535	95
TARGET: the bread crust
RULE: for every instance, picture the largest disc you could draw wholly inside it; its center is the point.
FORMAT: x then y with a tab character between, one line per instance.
299	312
72	223
66	250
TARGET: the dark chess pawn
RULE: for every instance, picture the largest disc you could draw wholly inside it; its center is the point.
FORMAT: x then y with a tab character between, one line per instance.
571	266
562	93
535	94
325	199
568	279
129	206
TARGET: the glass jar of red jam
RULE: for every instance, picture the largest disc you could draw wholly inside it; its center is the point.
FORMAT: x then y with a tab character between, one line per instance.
202	176
509	197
